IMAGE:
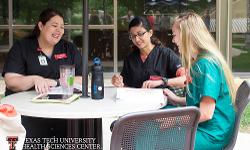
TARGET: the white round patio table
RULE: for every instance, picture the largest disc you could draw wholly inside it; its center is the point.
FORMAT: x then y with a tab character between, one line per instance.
84	108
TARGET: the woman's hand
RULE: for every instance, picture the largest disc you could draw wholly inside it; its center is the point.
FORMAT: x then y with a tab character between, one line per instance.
151	83
117	80
18	82
174	99
42	85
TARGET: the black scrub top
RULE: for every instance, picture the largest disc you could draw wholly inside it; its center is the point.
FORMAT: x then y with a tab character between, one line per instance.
23	59
161	61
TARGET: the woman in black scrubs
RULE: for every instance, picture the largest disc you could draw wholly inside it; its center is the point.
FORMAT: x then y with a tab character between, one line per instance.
33	63
150	64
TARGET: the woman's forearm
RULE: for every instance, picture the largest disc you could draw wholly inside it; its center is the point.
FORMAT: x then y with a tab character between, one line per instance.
17	82
174	99
207	107
181	101
177	81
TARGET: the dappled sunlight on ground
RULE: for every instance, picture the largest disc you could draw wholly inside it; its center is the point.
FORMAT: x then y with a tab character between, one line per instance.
243	141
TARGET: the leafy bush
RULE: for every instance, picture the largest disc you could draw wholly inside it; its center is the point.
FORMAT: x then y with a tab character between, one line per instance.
245	120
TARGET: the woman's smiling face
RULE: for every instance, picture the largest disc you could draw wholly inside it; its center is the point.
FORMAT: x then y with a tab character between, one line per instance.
53	30
140	36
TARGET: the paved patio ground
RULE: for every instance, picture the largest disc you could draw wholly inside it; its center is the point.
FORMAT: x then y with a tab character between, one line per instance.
243	141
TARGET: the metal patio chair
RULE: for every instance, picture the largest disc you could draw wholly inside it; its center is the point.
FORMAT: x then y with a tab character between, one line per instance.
156	130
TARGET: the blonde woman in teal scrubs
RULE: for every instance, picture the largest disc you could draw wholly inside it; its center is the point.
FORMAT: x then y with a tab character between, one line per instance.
211	87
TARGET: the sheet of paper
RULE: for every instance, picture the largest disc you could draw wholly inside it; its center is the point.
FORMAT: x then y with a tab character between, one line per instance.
56	90
139	94
59	90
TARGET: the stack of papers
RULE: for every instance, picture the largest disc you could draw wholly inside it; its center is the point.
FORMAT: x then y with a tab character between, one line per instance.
140	95
59	90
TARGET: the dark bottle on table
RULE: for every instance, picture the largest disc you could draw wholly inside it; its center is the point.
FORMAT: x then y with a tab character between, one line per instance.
97	84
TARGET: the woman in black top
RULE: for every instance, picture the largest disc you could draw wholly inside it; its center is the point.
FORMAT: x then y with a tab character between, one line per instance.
150	64
34	62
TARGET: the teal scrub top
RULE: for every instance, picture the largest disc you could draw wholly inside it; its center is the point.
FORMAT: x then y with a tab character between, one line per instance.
208	80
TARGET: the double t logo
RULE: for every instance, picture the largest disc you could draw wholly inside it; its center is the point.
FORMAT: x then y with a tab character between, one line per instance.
12	140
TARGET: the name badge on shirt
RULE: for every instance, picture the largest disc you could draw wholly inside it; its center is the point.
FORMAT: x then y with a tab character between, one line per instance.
60	56
42	60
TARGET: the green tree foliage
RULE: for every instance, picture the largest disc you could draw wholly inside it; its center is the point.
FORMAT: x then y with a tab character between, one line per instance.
27	11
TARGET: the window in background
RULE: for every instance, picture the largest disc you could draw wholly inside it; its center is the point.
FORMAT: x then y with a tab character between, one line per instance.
101	12
160	14
100	45
3	12
4	46
21	33
4	32
27	11
4	38
240	35
101	38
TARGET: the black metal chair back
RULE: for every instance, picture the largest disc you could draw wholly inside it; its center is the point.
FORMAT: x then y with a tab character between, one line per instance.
156	130
241	101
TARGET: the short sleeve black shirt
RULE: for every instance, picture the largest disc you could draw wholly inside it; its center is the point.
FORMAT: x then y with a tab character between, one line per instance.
161	61
23	59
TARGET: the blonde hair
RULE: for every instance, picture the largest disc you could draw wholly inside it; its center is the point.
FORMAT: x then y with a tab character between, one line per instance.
194	36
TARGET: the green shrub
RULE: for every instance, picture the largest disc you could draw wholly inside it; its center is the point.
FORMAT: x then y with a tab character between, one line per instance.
245	120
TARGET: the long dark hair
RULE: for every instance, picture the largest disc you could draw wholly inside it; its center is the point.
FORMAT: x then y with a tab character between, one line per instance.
143	22
44	17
